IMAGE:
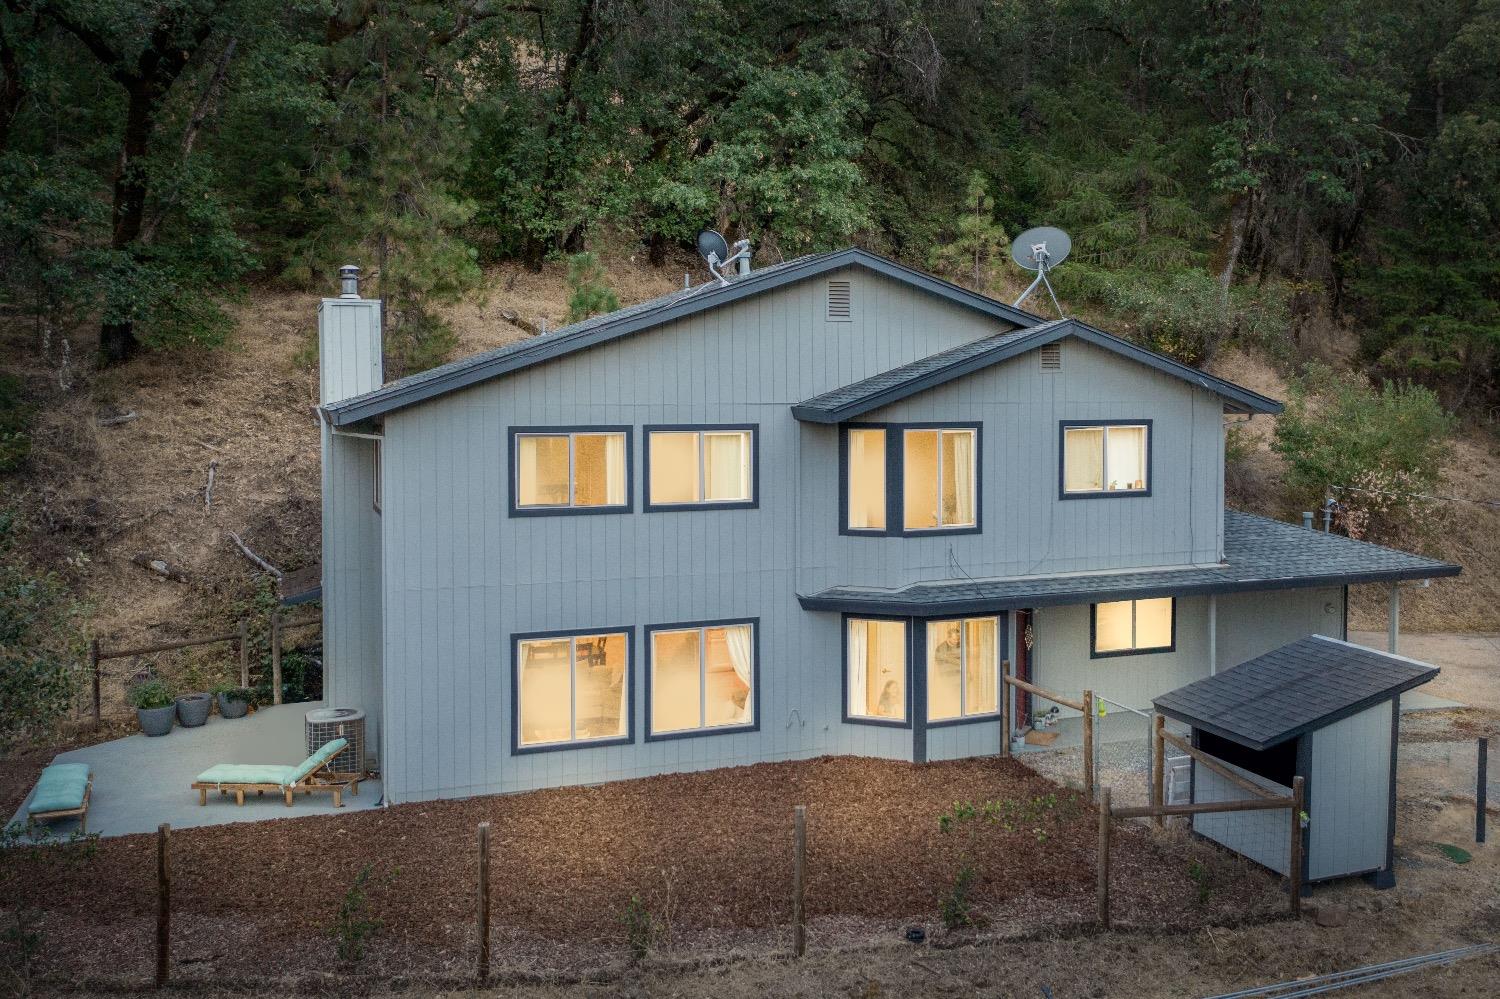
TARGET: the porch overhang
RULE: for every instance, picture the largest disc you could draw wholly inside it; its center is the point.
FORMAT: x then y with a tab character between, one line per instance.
1259	554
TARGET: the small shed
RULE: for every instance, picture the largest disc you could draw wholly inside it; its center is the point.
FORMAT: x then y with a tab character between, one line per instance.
1321	709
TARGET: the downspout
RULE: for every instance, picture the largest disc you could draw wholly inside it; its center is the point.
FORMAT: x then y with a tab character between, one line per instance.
1393	619
1213	633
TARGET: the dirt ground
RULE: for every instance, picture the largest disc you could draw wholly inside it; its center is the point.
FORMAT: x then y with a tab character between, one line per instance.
708	854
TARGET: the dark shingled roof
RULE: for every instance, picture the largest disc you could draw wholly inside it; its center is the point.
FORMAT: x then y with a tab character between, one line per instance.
645	315
1259	554
858	398
1297	688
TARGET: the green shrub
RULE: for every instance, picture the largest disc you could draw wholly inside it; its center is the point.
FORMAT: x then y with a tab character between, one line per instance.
1375	448
15	424
353	927
588	292
231	692
641	927
40	644
147	694
957	908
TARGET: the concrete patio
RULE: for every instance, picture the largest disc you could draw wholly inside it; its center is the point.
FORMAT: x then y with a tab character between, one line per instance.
141	782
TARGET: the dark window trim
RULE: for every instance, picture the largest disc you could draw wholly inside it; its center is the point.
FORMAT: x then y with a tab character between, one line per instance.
1002	646
516	749
654	428
511	486
1152	651
755	678
895	479
849	719
1063	426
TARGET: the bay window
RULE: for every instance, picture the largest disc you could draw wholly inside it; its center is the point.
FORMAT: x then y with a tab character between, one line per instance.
909	479
571	689
875	670
963	668
865	482
1128	627
700	467
702	678
938	467
583	470
1106	459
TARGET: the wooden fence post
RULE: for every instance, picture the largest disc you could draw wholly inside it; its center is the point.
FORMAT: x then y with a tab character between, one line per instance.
276	657
1482	790
1101	864
1005	708
1294	865
1158	766
484	902
799	880
163	905
244	642
1088	744
94	673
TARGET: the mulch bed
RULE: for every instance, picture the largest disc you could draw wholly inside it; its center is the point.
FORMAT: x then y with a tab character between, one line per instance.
709	853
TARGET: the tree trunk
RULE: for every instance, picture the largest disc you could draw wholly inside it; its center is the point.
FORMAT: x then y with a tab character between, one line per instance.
117	340
1239	218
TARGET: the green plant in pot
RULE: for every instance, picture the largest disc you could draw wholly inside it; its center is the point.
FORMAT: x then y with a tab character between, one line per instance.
154	705
234	702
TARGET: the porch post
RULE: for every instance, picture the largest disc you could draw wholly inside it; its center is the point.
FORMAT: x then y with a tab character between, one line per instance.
1213	633
1393	619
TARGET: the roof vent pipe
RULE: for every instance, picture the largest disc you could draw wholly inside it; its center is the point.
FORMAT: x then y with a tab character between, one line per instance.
742	264
348	281
1307	519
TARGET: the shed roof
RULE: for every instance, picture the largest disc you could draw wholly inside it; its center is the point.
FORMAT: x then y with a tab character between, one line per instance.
857	398
1301	687
1259	554
646	315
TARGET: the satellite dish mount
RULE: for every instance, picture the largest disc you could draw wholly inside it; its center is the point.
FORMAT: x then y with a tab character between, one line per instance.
1040	250
715	250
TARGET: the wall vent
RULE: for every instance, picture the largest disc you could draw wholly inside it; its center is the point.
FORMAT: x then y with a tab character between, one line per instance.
1051	355
840	301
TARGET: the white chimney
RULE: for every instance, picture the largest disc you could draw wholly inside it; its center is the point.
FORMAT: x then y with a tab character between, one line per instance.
349	358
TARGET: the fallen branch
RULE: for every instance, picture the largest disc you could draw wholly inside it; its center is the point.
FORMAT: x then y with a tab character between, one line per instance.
160	566
208	490
245	551
515	320
115	421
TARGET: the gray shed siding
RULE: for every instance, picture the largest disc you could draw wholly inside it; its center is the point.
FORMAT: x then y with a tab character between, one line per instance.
1349	794
1261	836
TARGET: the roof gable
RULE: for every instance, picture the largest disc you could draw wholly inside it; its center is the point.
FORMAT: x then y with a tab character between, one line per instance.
647	315
1298	688
858	398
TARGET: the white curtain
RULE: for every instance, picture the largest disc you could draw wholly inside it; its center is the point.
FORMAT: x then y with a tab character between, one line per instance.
963	476
858	667
1125	460
740	643
727	462
614	469
1083	459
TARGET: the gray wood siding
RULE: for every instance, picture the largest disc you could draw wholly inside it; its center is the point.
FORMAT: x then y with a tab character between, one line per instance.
1349	794
352	592
1252	624
461	576
1261	836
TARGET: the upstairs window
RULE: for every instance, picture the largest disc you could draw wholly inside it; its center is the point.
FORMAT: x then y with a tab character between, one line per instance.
1106	459
939	468
1128	627
963	668
700	467
571	471
909	479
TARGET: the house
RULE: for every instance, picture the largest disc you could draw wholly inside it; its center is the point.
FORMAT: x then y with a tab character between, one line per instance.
807	511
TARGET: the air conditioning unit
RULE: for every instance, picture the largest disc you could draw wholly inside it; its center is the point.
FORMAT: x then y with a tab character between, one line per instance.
326	724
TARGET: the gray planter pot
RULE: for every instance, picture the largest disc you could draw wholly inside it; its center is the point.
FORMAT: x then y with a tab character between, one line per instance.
232	709
192	709
156	721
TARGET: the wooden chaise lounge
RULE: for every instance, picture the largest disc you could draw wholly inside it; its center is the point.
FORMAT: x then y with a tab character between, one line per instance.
312	774
62	792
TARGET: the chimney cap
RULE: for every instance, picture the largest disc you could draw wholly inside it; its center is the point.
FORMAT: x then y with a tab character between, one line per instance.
349	281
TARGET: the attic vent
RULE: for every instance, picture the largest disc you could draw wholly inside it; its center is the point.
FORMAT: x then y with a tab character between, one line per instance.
840	302
1051	354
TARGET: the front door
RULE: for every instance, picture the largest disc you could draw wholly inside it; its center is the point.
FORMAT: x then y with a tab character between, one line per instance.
1024	635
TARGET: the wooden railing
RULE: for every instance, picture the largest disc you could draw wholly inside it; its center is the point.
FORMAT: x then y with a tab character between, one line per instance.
1084	705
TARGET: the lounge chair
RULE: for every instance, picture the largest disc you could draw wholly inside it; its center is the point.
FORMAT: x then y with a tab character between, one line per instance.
310	775
62	792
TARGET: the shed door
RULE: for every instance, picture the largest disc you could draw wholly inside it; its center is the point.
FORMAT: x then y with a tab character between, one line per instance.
1350	794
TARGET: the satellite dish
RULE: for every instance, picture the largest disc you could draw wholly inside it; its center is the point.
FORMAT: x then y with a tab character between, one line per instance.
712	247
1045	246
1040	250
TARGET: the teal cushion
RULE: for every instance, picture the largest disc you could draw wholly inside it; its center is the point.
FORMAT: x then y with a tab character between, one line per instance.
246	773
325	753
60	789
